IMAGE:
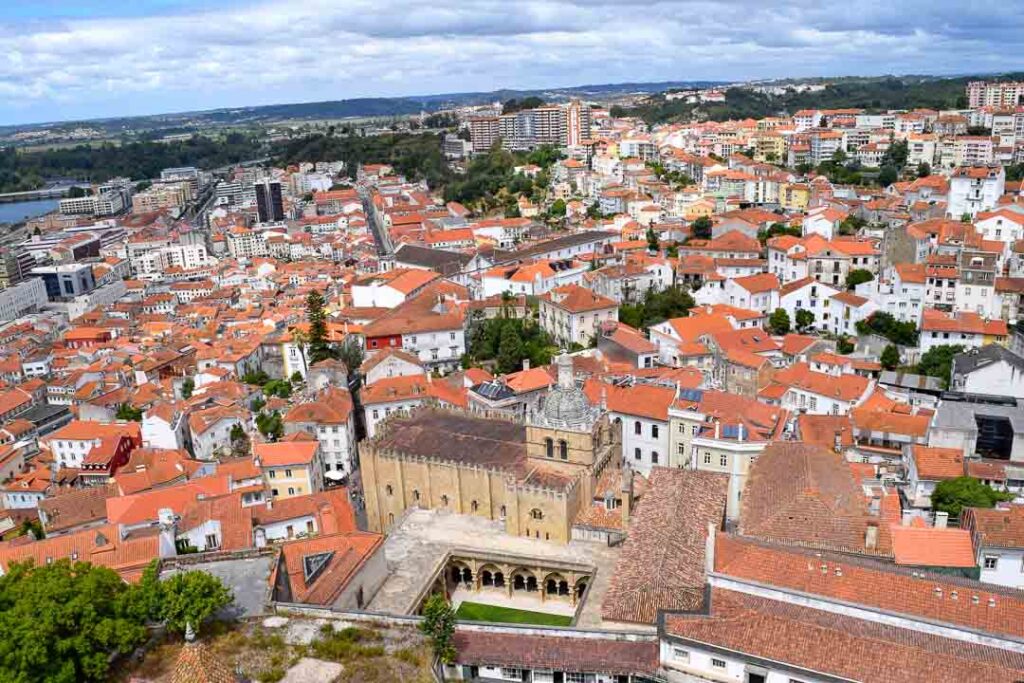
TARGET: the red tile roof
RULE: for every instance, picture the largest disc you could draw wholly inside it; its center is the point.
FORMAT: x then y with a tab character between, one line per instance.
833	644
922	546
672	546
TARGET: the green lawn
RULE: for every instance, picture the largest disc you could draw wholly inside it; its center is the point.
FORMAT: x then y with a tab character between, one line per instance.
474	611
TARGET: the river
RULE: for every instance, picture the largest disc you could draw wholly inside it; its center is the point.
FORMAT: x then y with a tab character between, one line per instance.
16	212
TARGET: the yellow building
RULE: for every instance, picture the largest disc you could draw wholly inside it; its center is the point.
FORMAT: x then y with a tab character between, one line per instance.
535	476
769	146
794	196
291	468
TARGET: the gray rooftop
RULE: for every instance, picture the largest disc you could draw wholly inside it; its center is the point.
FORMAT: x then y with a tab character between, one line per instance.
957	412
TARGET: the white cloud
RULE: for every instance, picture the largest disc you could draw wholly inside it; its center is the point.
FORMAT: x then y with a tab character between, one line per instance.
289	50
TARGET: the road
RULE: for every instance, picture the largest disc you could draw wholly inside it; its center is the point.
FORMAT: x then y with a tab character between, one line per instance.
376	223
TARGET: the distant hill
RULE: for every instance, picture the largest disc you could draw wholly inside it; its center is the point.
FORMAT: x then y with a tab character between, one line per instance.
363	107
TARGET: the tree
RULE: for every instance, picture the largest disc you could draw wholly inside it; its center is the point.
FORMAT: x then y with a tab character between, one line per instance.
778	321
187	387
351	353
652	240
240	445
924	170
938	361
885	325
953	495
844	346
701	228
281	388
804	320
271	426
858	276
557	209
887	176
61	622
319	348
191	598
129	413
890	358
510	351
439	626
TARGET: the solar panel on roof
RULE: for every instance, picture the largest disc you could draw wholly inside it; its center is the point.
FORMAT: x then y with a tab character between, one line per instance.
695	395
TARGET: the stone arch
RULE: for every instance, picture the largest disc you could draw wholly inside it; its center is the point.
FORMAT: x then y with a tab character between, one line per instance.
563	449
460	573
549	447
581	587
536	513
491	576
553	582
523	580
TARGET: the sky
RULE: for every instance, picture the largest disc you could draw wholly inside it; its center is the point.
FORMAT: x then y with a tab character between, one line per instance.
66	60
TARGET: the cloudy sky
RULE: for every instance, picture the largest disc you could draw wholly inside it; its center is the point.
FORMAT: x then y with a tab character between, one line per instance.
69	59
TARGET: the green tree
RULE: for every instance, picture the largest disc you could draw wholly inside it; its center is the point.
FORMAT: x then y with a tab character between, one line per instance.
60	623
296	378
652	240
778	321
938	361
844	346
270	426
953	495
351	353
858	276
240	445
887	176
439	626
191	598
924	170
187	387
890	358
319	348
129	413
557	209
885	325
510	351
281	388
701	228
804	320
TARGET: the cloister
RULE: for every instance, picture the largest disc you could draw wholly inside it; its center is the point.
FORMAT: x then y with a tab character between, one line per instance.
502	576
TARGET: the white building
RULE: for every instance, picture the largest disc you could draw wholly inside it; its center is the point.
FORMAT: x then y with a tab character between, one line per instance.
973	189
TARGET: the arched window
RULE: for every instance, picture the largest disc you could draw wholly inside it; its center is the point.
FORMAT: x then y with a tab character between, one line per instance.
536	513
501	513
563	449
549	447
388	490
638	428
444	500
416	494
474	506
391	518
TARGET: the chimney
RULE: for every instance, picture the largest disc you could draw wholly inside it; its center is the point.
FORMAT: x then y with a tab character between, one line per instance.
168	533
709	549
526	364
627	494
941	520
871	536
565	379
718	429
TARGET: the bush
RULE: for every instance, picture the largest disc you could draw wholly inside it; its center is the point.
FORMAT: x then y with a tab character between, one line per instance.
953	495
